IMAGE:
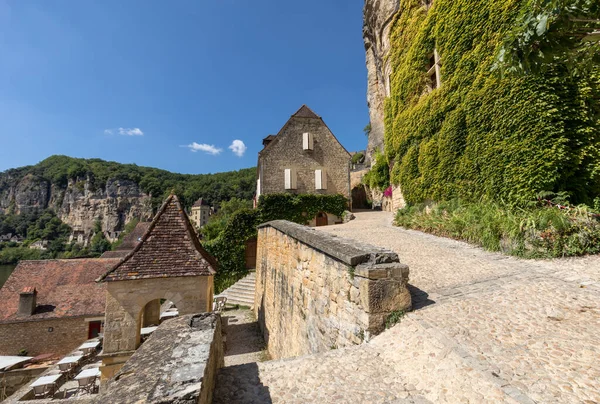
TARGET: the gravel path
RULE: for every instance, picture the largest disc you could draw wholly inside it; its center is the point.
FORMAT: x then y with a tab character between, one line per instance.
487	328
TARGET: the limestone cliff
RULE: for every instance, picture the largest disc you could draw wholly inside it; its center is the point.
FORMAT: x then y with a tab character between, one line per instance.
378	15
78	204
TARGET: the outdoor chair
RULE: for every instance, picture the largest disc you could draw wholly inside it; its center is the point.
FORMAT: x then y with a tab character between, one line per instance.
86	385
43	391
219	304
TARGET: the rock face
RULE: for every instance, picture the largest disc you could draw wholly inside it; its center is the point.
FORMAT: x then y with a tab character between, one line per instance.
78	205
378	15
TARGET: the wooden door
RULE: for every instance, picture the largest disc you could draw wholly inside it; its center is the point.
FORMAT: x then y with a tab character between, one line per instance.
94	329
251	254
321	219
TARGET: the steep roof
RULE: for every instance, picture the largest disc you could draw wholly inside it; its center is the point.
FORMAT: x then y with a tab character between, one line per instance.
200	202
169	248
305	112
65	288
130	241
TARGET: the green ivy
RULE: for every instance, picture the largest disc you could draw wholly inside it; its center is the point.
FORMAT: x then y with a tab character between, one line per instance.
483	135
378	176
230	245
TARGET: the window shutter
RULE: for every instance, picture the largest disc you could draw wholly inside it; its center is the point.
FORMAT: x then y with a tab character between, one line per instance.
290	178
320	179
307	141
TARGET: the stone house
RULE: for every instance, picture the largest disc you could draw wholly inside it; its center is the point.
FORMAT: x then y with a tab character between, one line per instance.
168	263
52	306
39	245
130	241
200	212
304	158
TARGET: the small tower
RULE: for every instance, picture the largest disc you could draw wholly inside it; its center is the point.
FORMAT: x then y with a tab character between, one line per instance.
200	212
169	263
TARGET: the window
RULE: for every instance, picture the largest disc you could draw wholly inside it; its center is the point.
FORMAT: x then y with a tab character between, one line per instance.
290	178
307	141
433	71
320	179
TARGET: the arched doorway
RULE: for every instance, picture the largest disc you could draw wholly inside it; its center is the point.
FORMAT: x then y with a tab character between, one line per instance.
321	219
153	314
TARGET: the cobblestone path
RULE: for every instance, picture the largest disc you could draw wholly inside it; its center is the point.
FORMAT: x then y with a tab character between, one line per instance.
487	328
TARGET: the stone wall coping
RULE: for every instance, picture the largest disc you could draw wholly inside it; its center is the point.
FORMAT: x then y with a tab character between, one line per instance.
348	251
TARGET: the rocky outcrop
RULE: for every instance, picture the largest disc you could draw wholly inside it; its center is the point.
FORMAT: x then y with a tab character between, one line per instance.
78	204
378	16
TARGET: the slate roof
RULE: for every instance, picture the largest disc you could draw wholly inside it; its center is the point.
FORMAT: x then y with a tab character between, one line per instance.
305	112
169	248
65	288
200	202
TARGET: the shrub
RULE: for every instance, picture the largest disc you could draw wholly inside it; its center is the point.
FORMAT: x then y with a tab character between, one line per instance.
378	176
532	232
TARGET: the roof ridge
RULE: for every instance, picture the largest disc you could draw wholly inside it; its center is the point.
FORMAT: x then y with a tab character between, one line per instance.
305	112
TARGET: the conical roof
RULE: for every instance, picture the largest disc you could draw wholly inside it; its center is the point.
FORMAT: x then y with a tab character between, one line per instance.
169	248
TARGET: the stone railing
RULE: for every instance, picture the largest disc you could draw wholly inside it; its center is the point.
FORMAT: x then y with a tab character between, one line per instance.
177	364
316	292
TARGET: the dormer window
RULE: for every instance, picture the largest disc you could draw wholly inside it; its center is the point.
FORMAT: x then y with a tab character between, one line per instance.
320	179
307	141
290	178
433	71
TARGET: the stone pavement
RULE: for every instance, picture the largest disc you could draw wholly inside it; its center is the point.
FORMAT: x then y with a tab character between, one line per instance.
487	328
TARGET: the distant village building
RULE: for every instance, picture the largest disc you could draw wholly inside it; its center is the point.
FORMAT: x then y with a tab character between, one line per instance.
200	213
168	263
39	245
52	306
304	158
130	241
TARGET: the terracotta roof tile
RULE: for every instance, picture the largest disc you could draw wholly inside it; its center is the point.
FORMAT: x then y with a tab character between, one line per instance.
65	288
115	254
200	202
131	240
28	290
169	248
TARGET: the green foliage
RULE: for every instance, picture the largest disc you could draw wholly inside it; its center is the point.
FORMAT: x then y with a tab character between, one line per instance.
394	318
228	244
378	176
129	227
358	157
538	231
217	222
99	244
12	255
481	135
214	188
367	129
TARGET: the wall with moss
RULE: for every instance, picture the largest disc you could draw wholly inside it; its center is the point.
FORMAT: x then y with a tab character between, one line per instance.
481	134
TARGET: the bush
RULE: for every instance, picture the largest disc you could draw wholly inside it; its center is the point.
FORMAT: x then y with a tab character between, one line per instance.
533	232
378	176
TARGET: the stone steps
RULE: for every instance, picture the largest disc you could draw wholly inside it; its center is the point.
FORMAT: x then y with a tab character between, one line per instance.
242	292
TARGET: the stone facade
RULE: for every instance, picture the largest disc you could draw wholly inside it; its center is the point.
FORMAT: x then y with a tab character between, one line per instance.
315	292
200	213
126	301
178	364
58	336
285	151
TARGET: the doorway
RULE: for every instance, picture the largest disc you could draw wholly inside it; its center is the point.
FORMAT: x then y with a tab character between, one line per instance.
321	219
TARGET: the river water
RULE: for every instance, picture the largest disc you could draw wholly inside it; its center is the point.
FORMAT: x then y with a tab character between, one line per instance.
5	271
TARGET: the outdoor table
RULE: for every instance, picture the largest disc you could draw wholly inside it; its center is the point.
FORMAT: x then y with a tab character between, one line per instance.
68	362
168	314
87	373
45	380
147	330
88	347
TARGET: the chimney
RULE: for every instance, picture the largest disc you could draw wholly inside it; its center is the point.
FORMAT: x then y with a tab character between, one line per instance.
27	301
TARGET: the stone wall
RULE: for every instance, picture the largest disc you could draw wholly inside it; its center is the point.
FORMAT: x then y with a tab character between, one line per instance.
316	292
13	380
177	364
286	152
36	339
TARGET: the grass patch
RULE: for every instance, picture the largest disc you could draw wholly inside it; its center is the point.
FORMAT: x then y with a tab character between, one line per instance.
394	318
538	231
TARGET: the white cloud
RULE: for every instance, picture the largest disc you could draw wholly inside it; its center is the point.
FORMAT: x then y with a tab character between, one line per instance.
131	132
108	131
238	148
207	148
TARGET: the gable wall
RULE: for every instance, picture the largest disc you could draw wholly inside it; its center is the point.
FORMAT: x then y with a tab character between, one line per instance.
287	153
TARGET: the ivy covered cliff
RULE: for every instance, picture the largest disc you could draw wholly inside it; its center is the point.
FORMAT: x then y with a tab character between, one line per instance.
83	192
455	127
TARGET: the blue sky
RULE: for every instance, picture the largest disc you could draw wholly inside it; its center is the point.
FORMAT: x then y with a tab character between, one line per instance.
138	81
